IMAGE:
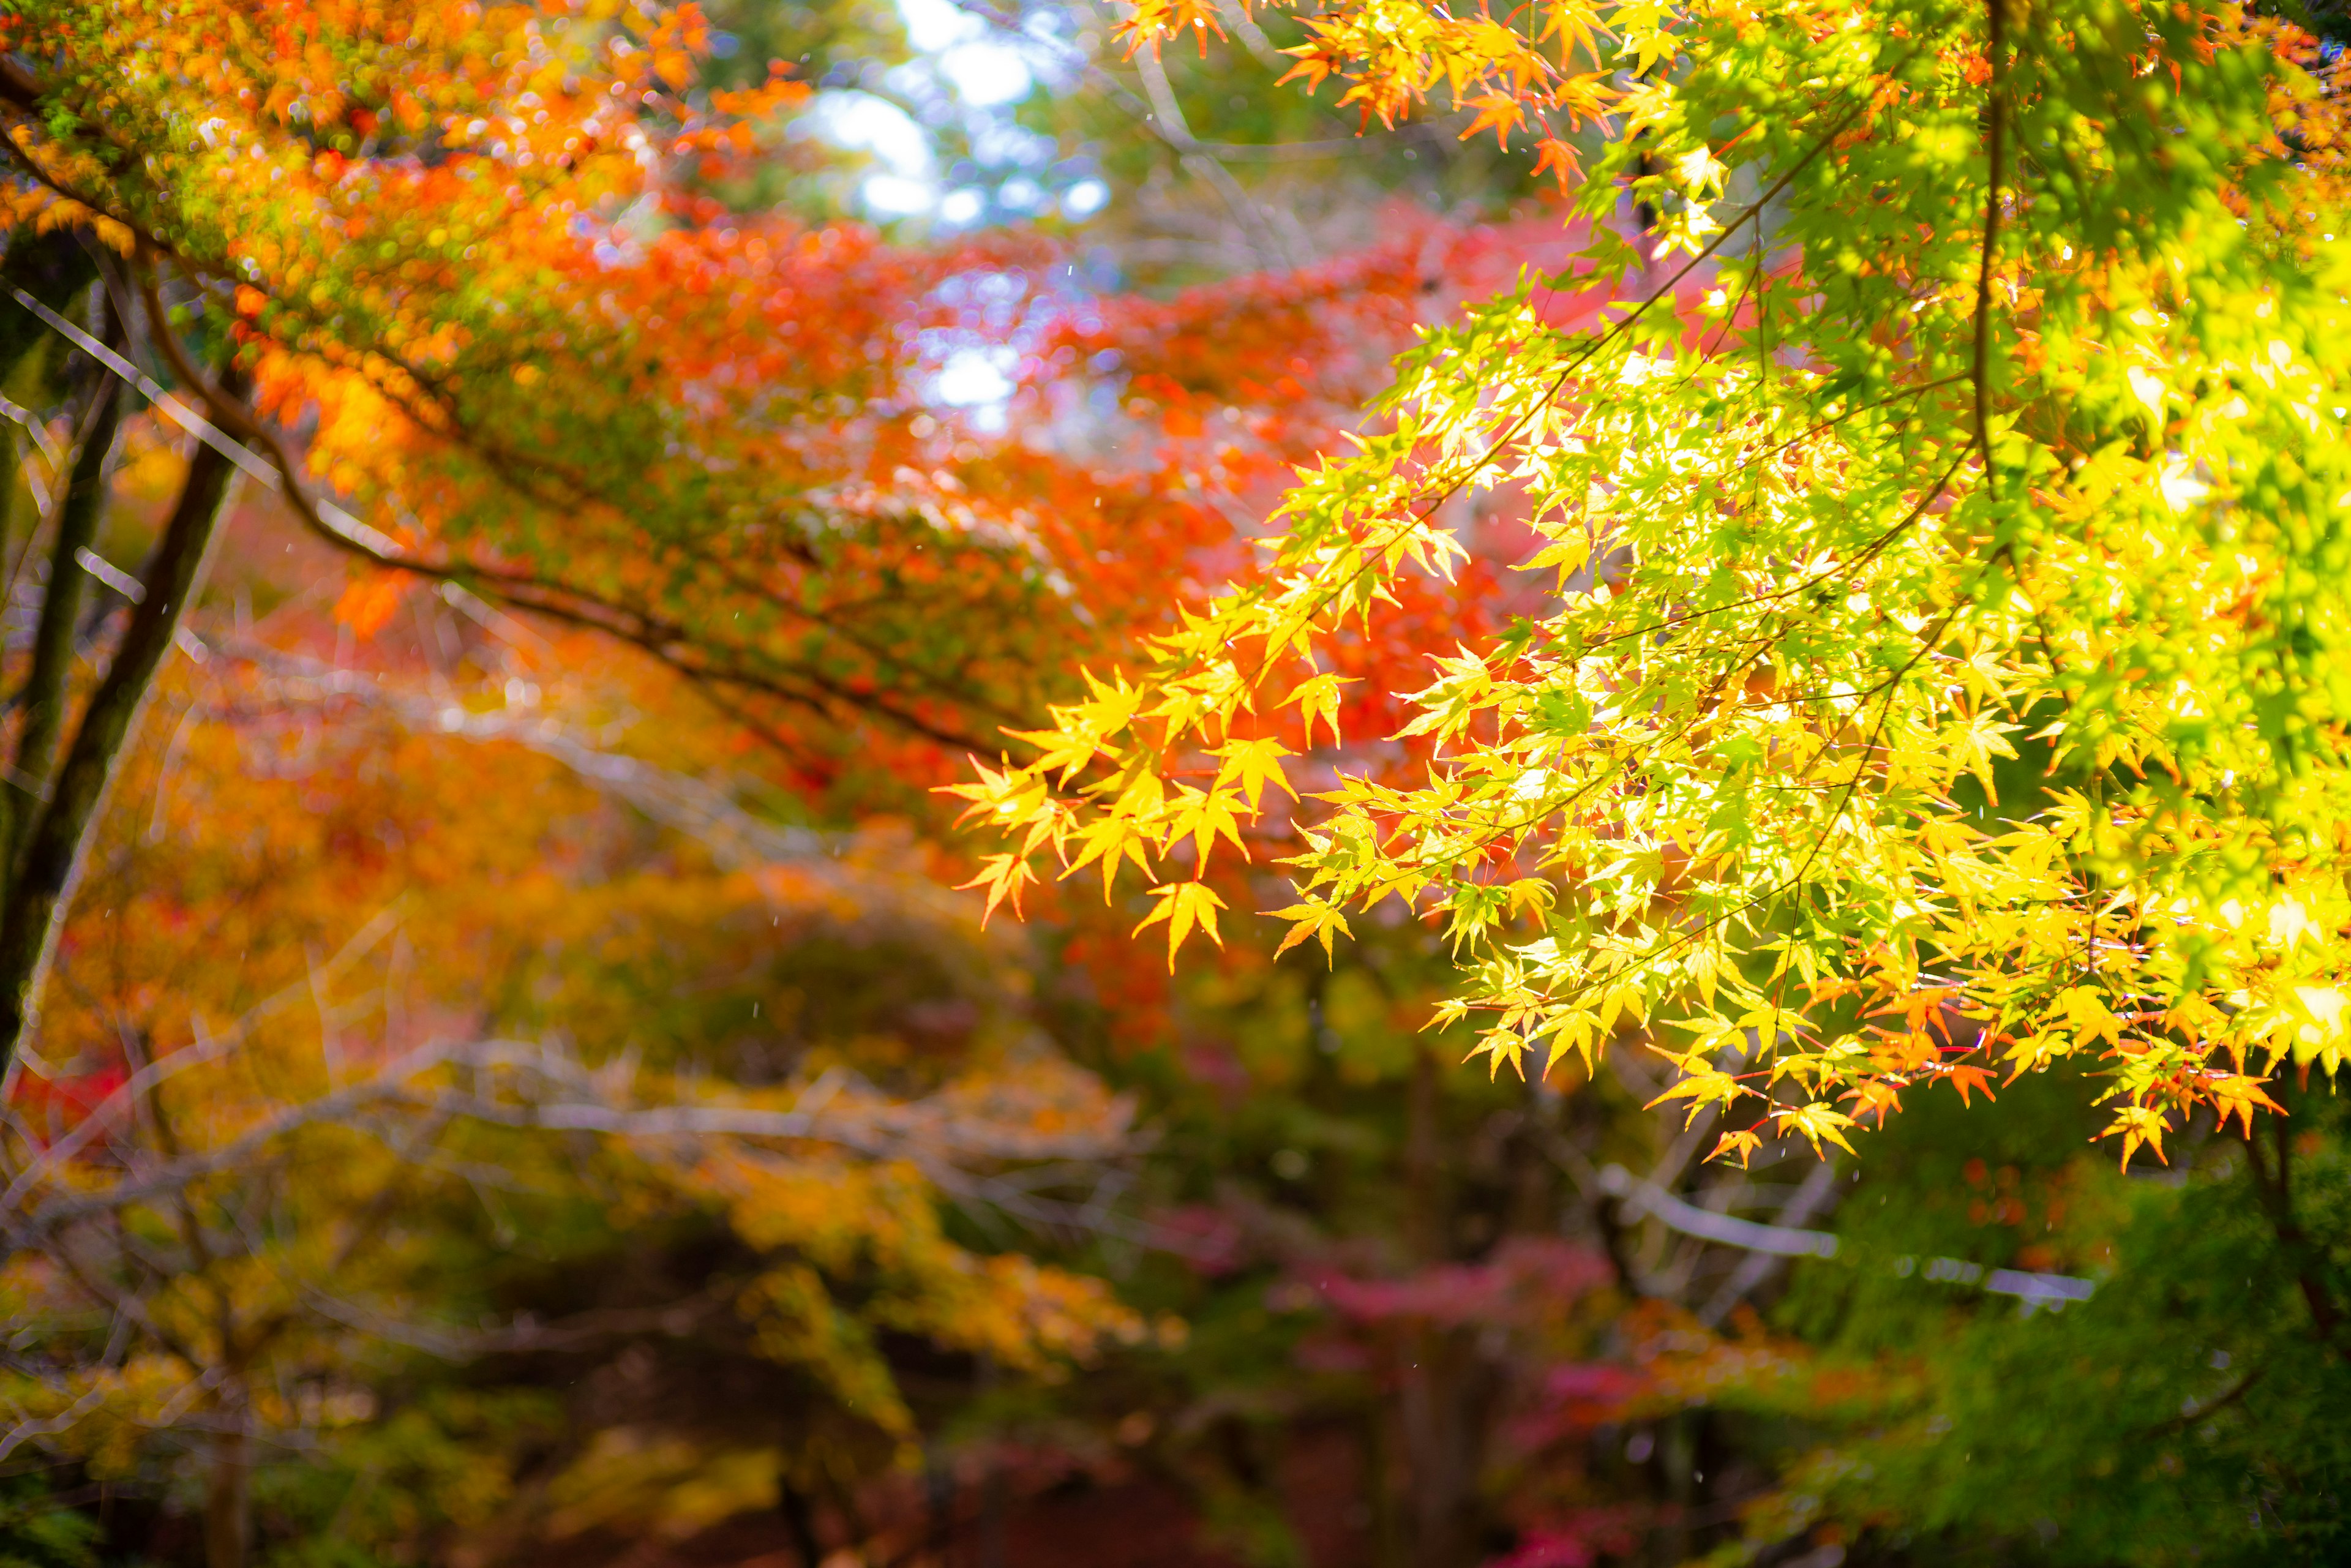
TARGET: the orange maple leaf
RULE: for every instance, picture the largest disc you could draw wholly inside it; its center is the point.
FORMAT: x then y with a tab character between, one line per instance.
1965	1079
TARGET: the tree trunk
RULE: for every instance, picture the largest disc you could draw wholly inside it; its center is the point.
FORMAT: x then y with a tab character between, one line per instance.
228	1497
799	1522
49	686
57	839
54	269
1445	1393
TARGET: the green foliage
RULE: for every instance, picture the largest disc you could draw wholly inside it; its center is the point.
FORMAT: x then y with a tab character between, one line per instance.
2188	1412
439	1462
37	1532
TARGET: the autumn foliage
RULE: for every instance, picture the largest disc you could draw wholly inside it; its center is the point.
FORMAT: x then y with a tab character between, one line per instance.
1833	601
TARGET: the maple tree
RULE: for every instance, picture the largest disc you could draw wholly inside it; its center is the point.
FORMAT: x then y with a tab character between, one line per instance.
472	254
1942	515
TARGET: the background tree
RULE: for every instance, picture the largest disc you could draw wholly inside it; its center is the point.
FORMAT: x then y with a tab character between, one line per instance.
235	1238
452	307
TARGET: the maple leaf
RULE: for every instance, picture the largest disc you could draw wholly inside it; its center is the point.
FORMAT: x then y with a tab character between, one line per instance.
1319	921
2236	1095
1966	1079
1642	25
1702	1088
1498	1046
1815	1123
1109	839
1181	904
1873	1096
1009	798
1743	1143
1318	697
1255	763
1567	555
1204	816
2086	1013
1559	159
1501	110
1004	876
1066	750
2136	1126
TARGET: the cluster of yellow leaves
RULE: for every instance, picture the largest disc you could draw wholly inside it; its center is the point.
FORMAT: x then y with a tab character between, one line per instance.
1539	72
823	1216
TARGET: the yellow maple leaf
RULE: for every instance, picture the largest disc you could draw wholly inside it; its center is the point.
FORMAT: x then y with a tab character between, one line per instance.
2085	1011
1004	876
1183	904
1061	749
1567	555
1701	1089
1108	840
1815	1123
2139	1125
1501	1045
1204	818
1010	798
1316	920
1255	763
1318	696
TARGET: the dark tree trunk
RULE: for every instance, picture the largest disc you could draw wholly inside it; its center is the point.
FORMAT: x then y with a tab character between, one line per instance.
57	837
799	1523
54	269
48	687
228	1500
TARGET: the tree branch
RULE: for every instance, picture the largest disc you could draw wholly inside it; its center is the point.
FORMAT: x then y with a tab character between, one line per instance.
1996	149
